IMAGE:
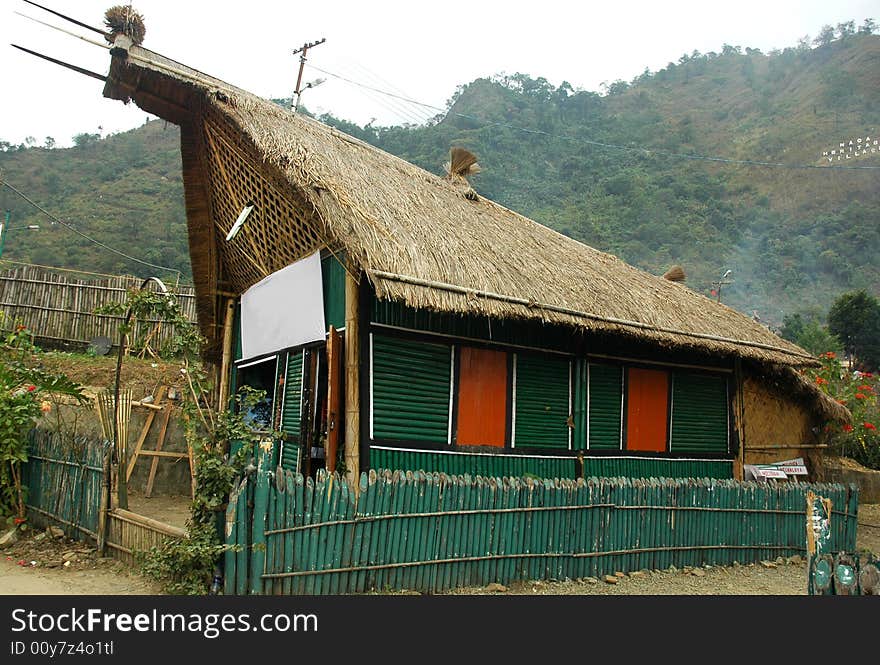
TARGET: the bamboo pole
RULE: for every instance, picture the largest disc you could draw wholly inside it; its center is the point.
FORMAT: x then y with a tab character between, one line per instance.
227	354
352	382
105	504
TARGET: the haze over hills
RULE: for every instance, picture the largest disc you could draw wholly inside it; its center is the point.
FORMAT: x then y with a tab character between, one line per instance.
617	171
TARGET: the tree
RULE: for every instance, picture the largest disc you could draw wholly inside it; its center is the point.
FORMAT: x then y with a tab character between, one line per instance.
85	139
855	319
49	143
825	36
846	29
868	27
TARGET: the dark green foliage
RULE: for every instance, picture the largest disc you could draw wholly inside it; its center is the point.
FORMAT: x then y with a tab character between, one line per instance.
855	319
807	331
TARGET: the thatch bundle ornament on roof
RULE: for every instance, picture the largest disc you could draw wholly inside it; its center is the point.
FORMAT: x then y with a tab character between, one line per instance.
461	164
124	20
675	274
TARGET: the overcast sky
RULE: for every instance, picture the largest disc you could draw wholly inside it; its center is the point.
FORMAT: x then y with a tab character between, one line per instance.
419	50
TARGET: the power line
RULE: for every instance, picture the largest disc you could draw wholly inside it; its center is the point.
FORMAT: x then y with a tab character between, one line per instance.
600	144
80	233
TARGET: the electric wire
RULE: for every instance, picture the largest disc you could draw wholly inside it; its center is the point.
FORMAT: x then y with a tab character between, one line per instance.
599	144
87	237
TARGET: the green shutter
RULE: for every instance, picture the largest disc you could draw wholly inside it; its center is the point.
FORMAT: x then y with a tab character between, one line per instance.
291	410
542	402
410	390
699	413
290	456
605	404
333	278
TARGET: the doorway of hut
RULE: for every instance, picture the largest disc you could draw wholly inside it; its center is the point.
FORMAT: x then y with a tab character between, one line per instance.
300	407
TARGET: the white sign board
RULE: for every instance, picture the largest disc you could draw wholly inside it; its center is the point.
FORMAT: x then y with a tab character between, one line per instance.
283	310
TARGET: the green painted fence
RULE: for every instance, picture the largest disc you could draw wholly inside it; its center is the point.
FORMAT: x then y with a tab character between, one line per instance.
64	482
431	532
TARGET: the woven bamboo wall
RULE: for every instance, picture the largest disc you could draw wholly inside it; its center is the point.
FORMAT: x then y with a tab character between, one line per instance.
59	307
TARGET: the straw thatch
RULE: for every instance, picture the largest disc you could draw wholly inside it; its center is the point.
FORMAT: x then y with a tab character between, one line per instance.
124	20
416	236
675	274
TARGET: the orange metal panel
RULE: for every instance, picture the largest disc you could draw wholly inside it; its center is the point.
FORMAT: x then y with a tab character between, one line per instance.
647	409
482	397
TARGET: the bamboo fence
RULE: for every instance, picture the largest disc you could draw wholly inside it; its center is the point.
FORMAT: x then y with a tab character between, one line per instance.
59	307
429	531
64	489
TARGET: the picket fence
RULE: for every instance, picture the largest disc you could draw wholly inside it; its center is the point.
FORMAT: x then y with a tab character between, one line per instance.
431	532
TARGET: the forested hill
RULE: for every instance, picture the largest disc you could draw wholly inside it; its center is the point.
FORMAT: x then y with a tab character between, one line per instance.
632	171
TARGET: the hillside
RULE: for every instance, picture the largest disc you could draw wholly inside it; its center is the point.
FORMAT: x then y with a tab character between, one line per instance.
605	169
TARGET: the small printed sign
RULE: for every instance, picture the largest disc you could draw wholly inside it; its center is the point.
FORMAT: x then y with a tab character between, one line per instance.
780	470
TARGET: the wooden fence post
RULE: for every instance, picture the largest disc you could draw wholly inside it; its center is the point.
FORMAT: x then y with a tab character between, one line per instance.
261	503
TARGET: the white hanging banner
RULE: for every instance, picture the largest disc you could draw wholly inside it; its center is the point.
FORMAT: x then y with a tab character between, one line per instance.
283	310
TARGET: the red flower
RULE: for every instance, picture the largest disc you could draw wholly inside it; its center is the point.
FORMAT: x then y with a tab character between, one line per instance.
869	425
841	401
860	396
19	520
867	375
829	354
847	428
31	389
20	327
866	388
820	381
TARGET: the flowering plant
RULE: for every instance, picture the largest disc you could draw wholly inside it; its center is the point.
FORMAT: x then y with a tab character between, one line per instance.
858	391
24	392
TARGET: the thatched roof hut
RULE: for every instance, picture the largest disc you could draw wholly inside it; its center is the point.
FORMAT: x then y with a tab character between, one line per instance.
418	239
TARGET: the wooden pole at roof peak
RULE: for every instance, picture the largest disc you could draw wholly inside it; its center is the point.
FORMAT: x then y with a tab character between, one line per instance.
352	383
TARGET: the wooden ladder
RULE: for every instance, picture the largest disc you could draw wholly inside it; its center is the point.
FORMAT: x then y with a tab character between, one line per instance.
158	453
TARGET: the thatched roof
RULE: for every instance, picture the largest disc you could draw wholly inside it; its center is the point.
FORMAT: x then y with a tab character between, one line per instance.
415	235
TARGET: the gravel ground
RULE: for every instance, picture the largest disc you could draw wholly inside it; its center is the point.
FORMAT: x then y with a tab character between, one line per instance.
779	577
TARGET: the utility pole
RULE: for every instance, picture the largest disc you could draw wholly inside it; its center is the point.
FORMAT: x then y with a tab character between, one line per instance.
4	227
721	282
302	62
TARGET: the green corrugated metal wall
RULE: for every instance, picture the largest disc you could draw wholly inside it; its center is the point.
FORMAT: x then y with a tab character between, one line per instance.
474	464
628	467
410	390
333	277
605	399
699	413
542	401
523	333
291	410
